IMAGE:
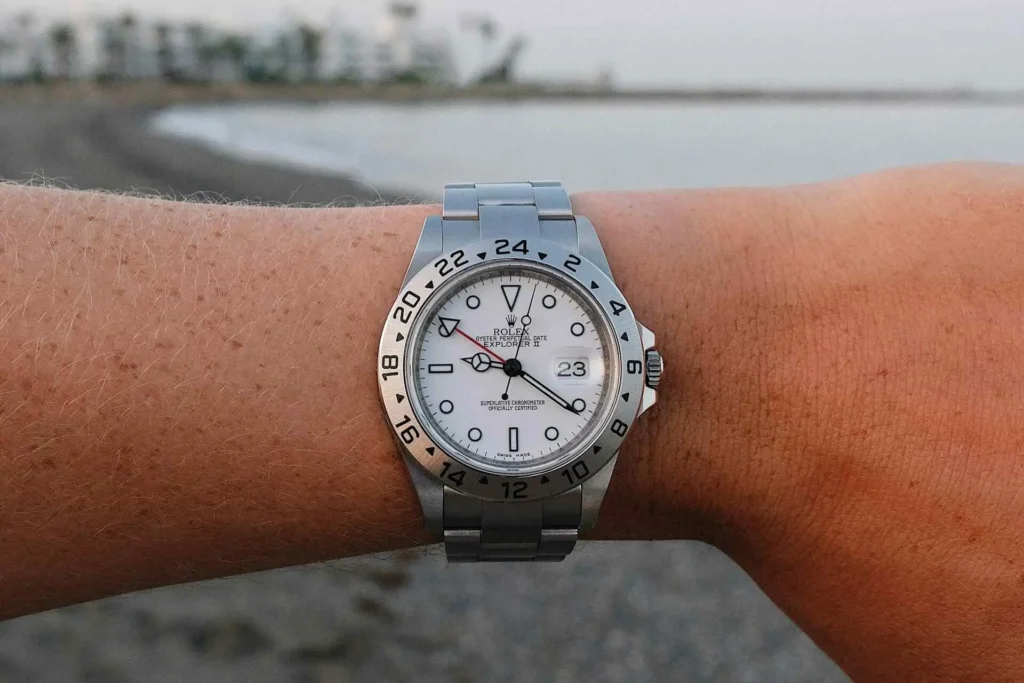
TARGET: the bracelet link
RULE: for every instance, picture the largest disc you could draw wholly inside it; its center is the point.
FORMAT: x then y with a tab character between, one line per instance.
476	530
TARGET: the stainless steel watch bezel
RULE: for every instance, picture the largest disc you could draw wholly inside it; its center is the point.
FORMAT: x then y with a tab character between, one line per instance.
395	388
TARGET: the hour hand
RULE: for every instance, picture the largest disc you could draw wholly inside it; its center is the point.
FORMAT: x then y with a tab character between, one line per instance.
481	362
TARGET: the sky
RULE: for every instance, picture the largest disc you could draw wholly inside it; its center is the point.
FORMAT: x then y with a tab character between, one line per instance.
684	42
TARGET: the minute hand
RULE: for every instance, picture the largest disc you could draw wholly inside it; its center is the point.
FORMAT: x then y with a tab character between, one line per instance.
535	383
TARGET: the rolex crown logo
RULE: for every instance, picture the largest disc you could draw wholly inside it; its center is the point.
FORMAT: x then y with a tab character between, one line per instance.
511	320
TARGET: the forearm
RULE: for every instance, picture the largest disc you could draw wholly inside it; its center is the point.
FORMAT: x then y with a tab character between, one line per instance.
189	391
852	425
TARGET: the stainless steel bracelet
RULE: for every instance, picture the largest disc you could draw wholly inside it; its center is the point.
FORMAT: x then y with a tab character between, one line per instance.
474	212
488	531
476	530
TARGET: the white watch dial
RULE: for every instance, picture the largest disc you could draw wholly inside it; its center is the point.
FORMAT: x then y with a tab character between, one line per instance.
512	369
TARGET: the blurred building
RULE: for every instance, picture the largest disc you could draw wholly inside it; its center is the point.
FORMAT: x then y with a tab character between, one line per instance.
127	47
22	47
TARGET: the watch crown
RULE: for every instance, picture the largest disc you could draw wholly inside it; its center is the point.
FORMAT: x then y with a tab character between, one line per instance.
655	366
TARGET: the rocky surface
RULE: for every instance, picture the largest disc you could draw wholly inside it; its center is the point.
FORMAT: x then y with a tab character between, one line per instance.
613	612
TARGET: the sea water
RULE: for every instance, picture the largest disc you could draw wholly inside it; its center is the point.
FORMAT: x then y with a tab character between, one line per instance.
600	145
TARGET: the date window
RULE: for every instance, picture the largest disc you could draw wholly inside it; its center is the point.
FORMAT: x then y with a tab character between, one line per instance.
572	369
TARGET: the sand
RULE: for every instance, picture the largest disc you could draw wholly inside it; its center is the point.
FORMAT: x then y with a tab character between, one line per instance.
104	146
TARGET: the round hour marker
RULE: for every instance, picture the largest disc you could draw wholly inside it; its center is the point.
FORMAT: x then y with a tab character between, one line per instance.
478	411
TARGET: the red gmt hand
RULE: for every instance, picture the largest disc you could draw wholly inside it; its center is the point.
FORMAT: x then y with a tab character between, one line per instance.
480	345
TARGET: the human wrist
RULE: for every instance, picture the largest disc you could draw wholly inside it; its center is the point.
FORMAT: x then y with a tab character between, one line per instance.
872	490
840	410
706	270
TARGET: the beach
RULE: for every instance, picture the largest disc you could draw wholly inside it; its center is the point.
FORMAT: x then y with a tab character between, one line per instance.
105	145
612	612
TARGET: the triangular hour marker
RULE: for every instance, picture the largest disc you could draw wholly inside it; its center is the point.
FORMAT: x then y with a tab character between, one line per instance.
400	337
448	325
430	449
545	480
511	293
624	337
597	449
485	480
430	285
542	255
625	397
594	285
400	397
482	255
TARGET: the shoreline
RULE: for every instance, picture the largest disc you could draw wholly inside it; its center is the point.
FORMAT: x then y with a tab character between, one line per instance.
157	94
107	145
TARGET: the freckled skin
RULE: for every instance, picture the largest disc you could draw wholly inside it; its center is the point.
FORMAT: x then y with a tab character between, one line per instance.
189	391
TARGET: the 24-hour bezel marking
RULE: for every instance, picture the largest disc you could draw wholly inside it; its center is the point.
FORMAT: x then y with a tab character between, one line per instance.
404	316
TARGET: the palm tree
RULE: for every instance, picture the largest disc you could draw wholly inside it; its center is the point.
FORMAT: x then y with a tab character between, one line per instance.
118	38
487	29
503	70
65	47
110	43
404	10
204	51
401	51
165	57
351	63
282	56
235	49
31	59
127	26
6	48
311	43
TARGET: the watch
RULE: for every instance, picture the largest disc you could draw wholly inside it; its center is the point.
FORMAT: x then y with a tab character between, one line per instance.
511	368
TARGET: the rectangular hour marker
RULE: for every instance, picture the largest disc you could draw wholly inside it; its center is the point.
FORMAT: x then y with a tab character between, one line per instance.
513	439
440	368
